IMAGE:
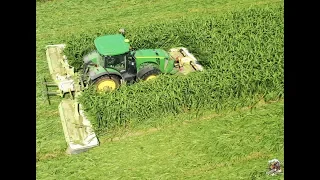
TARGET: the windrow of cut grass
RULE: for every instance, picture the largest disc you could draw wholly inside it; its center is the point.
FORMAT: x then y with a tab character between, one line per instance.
242	52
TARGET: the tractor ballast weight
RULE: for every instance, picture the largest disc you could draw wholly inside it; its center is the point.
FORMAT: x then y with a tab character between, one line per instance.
112	64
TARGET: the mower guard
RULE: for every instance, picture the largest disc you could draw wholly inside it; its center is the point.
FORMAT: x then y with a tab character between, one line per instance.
77	128
187	62
57	62
61	72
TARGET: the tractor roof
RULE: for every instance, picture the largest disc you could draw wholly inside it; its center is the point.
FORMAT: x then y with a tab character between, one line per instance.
110	45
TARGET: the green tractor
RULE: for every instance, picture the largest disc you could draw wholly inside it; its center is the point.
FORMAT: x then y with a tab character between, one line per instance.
115	62
112	64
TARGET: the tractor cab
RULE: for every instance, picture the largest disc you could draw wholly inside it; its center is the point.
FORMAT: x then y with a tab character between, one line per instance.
115	54
114	50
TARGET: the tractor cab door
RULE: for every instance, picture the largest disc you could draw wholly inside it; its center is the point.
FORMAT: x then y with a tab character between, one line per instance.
117	62
131	64
130	73
125	64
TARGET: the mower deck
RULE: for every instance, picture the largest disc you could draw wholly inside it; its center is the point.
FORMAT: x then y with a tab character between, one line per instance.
77	129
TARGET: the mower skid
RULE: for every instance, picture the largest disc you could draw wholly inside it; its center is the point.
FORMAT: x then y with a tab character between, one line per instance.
78	131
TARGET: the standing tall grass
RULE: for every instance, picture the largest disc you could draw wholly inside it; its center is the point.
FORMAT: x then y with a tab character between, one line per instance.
242	52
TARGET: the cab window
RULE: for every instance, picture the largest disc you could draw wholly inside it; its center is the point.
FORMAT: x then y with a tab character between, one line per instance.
118	62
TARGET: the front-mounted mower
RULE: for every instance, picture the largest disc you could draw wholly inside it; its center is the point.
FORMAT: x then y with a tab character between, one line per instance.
110	65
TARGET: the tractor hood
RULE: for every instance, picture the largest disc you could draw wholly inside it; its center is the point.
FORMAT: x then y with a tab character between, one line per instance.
156	57
151	53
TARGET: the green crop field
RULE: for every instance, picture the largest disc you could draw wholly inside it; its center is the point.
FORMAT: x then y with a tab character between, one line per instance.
224	123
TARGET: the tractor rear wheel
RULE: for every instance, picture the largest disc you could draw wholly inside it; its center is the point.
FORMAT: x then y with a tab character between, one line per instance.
107	83
150	74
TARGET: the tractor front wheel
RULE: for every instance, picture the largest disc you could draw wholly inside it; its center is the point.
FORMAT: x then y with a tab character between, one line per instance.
150	74
107	83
